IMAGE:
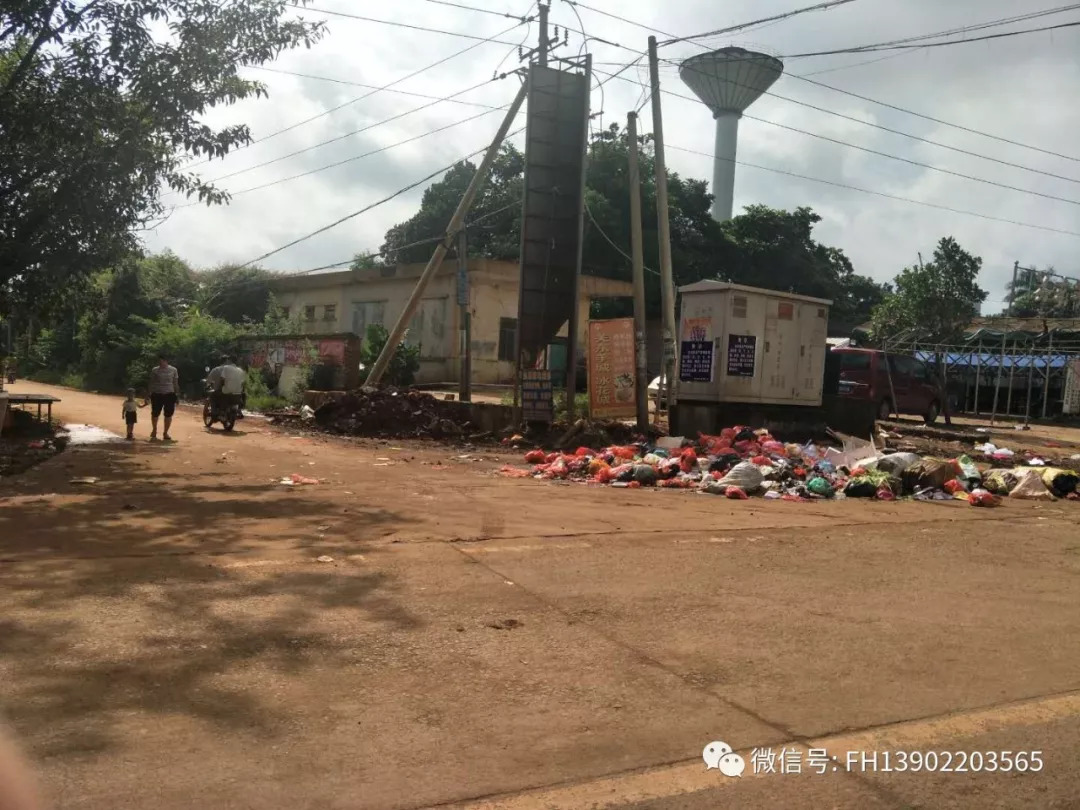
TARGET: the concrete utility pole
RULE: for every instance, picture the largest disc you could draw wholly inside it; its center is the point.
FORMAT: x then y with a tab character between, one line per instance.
667	286
1012	290
456	223
465	317
638	254
545	45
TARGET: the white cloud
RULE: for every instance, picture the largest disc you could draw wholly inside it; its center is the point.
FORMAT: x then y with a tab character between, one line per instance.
1020	88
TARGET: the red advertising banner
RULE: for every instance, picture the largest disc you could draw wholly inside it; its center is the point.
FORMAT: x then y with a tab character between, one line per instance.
612	369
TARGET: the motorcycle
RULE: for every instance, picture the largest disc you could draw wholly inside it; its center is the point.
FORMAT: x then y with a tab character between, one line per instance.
226	415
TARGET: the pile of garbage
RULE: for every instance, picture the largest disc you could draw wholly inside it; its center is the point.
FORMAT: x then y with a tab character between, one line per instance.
742	462
388	413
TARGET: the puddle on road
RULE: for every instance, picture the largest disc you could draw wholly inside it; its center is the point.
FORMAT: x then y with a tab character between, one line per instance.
90	434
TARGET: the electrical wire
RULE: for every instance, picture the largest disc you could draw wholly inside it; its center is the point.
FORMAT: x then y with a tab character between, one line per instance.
524	39
375	204
354	158
890	156
369	86
887	129
776	17
479	10
364	128
396	24
877	193
611	242
352	101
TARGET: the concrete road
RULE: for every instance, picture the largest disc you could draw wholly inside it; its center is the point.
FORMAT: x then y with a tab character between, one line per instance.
170	639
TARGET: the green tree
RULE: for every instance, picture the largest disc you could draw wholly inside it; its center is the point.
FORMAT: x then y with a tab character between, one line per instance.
935	301
239	295
403	366
101	105
763	246
1042	294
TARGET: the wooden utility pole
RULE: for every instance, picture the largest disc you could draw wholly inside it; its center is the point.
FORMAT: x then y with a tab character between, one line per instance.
667	286
638	255
465	318
456	223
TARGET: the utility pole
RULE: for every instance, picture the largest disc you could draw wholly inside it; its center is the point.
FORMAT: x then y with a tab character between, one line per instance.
456	223
544	42
667	287
465	318
1012	289
638	253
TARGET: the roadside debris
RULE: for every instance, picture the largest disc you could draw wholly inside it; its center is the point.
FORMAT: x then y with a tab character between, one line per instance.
742	462
325	558
296	479
88	479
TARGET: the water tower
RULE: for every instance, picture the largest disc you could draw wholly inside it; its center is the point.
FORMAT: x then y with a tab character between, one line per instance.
728	81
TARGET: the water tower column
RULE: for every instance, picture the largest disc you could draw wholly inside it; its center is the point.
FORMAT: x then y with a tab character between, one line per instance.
727	138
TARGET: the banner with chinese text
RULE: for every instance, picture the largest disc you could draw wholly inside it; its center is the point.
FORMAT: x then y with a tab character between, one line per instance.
612	375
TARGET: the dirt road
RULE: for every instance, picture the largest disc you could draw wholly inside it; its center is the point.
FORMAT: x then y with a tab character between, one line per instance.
170	639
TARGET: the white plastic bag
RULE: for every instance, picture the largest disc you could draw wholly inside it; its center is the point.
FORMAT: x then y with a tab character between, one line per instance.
744	475
1031	487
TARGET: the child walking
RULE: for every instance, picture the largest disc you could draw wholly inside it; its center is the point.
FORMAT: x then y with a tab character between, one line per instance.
131	413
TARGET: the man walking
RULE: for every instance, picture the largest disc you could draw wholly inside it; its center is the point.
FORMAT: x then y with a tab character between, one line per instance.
164	393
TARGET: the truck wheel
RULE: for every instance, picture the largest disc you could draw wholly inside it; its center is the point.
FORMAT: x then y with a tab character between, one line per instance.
932	413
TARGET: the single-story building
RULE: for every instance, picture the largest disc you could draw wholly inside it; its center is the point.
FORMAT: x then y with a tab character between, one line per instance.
348	301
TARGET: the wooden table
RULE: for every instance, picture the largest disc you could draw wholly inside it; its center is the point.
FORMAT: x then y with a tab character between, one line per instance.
40	400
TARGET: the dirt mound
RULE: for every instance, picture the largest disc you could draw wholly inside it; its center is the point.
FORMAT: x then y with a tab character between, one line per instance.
394	413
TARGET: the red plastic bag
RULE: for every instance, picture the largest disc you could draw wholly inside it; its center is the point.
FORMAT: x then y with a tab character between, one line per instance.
885	494
585	451
628	452
558	469
980	497
688	460
736	494
858	472
953	486
550	458
535	457
605	475
729	433
762	461
634	485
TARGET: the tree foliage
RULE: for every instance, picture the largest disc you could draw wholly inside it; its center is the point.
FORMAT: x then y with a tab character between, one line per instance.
234	293
1043	294
763	246
935	301
101	105
404	364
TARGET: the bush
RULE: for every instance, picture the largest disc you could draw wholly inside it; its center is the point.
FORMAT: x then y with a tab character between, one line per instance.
403	367
190	342
259	397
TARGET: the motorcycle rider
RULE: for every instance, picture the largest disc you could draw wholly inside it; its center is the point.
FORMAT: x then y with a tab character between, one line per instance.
228	383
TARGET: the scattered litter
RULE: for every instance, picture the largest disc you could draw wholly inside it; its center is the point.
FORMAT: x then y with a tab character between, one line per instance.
297	480
307	413
1031	487
89	479
325	558
506	624
980	497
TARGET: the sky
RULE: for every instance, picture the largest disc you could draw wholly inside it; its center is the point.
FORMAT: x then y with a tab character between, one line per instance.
1020	88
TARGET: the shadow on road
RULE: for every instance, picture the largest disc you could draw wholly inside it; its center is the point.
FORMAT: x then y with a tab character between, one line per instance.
143	594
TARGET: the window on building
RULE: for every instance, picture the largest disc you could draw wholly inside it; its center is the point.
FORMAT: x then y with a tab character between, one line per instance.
738	306
330	312
785	311
507	339
309	313
366	313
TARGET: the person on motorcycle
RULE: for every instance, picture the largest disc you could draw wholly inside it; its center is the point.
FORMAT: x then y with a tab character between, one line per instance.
228	382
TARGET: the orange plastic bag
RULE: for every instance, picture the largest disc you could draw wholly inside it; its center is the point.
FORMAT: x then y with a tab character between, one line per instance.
953	486
736	494
628	452
535	457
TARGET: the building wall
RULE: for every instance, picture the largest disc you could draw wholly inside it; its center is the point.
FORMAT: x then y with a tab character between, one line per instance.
359	298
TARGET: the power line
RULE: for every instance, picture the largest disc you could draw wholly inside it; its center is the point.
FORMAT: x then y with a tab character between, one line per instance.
358	131
369	86
874	48
890	156
396	24
480	10
611	242
371	93
935	120
357	157
878	193
776	17
893	131
373	205
617	17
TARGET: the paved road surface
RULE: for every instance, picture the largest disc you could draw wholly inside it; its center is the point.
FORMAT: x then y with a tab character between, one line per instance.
169	639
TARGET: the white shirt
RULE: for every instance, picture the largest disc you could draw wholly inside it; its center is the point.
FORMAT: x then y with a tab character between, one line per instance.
231	378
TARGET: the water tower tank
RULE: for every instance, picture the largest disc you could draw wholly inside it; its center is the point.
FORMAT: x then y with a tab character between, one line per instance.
728	81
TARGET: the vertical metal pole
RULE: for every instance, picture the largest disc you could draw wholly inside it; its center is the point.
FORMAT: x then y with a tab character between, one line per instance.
997	382
465	371
456	222
1012	290
888	373
545	44
1030	380
572	331
978	375
1012	371
1046	381
638	253
667	286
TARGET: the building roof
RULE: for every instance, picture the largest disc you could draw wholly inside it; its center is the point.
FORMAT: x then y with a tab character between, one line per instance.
720	286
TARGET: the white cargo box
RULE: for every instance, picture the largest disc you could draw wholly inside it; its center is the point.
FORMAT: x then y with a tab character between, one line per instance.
744	344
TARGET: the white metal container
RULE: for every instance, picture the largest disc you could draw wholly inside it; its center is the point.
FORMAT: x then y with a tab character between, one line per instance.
749	345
